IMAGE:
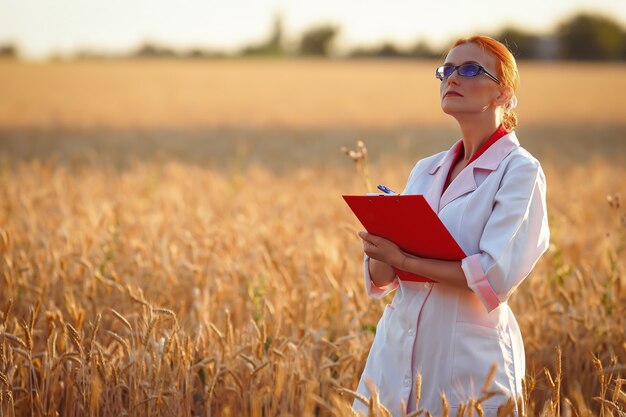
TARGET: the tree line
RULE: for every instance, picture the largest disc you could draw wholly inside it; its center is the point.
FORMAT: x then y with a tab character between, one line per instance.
581	37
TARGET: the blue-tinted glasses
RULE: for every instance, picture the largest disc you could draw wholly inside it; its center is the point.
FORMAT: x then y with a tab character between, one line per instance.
465	70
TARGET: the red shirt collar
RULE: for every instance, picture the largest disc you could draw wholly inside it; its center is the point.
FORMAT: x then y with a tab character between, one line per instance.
501	131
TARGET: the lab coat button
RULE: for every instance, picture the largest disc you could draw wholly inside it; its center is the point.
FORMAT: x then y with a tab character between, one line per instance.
411	332
407	382
427	285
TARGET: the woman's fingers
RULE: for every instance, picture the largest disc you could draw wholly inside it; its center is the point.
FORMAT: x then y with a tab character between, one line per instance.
367	237
380	248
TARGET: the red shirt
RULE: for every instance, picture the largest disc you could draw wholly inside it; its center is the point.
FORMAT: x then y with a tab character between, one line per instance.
501	131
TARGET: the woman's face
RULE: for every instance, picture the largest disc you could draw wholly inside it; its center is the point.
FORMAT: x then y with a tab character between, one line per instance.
470	95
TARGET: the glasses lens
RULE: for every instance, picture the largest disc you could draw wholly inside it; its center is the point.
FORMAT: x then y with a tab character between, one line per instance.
444	71
439	72
469	70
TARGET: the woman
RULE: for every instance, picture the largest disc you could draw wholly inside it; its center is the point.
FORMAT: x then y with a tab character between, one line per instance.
490	194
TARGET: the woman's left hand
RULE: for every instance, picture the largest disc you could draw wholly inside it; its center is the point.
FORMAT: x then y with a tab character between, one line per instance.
382	249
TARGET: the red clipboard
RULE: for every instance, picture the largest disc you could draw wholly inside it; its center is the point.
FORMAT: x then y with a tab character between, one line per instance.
409	222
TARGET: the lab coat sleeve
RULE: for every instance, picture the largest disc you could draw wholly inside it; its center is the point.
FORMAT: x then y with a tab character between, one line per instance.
515	235
372	290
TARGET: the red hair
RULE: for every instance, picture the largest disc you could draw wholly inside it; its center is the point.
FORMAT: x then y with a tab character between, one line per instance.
507	71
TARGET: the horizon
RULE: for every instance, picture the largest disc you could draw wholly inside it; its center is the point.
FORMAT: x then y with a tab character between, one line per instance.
67	27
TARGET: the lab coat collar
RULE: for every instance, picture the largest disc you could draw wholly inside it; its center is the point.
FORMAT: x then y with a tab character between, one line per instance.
447	158
465	181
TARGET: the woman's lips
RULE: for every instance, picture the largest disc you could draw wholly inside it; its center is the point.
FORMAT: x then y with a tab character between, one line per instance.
452	94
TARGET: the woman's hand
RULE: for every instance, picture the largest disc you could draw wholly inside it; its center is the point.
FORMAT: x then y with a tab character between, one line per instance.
383	250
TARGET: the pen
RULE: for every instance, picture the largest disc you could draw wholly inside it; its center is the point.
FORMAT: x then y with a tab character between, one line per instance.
385	190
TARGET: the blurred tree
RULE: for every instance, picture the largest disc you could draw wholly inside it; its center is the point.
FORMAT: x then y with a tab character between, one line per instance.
8	51
590	37
423	50
318	40
523	45
203	53
388	50
273	45
151	50
360	52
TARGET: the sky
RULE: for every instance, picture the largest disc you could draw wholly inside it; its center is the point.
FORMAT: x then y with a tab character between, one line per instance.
41	28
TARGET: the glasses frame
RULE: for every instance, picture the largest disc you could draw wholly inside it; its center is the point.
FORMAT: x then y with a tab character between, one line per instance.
481	69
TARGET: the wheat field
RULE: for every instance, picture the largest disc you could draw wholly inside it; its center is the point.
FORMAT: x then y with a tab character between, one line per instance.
282	93
175	285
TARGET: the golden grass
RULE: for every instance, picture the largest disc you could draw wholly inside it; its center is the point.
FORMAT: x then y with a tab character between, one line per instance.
285	93
172	289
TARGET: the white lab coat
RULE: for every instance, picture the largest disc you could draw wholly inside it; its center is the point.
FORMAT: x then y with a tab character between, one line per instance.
496	210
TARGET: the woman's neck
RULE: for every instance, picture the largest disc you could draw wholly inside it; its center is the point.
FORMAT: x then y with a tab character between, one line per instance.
475	133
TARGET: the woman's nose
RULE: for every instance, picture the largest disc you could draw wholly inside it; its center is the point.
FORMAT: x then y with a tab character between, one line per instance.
452	79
